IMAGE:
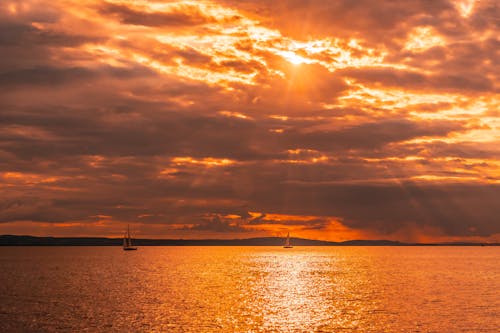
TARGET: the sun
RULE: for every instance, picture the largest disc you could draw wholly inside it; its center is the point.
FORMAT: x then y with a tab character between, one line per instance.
294	58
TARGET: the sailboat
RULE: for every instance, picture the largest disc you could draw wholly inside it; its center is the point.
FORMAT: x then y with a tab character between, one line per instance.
287	242
127	241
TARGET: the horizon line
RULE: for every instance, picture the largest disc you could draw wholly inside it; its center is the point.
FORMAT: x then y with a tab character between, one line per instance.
382	242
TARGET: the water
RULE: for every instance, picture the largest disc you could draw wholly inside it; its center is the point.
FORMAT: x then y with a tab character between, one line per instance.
250	289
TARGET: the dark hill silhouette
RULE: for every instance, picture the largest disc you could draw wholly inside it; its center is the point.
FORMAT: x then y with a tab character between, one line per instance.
14	240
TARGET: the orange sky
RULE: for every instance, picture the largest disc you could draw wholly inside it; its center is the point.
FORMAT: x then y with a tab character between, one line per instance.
232	119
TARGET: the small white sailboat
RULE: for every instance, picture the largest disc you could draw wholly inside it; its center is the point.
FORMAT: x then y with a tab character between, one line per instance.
287	242
127	241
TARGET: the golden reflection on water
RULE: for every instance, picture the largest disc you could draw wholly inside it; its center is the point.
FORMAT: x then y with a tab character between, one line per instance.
292	294
304	290
250	289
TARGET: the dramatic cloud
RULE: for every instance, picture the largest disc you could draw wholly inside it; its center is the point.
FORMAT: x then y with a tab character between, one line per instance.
193	119
180	15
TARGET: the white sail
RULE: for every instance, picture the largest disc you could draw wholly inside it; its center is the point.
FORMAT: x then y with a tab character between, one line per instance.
127	240
287	241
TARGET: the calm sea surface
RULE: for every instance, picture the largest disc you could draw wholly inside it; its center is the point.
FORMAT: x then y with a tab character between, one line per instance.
250	289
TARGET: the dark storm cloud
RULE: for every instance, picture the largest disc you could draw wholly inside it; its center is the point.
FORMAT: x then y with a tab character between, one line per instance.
469	82
451	207
92	131
108	132
184	15
192	56
371	135
25	35
25	47
43	76
442	149
311	223
36	209
49	76
216	223
454	208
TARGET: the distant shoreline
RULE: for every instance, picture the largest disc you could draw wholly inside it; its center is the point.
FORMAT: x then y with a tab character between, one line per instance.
14	240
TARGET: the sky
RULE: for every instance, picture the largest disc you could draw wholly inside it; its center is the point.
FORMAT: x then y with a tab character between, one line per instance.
330	120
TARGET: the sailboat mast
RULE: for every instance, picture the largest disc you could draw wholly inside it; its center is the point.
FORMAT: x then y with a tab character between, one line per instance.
129	241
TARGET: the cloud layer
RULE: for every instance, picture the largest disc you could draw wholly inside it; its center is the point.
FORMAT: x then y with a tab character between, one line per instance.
229	119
